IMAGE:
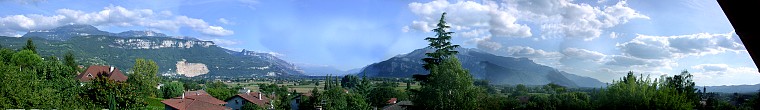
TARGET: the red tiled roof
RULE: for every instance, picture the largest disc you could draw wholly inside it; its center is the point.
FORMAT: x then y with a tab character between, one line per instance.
94	71
253	97
392	101
192	104
201	95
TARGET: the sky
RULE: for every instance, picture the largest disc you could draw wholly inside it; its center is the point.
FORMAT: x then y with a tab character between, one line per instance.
602	39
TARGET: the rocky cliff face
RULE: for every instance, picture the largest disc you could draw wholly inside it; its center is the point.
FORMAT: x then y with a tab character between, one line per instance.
191	69
134	43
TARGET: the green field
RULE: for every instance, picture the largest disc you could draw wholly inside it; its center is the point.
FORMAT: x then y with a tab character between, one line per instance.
154	104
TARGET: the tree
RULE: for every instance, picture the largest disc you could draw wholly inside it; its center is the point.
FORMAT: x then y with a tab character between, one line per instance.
104	92
26	59
683	84
316	82
30	46
172	89
364	86
641	93
70	61
219	90
755	102
441	43
6	55
191	85
337	99
349	81
250	106
144	77
282	99
450	87
521	90
383	92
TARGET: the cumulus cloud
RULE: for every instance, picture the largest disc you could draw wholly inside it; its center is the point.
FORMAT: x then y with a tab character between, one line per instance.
521	51
575	20
665	47
711	67
628	61
479	21
109	16
615	35
225	21
575	56
712	74
468	15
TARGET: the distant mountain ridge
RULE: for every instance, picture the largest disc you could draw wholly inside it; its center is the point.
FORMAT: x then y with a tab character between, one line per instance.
93	46
66	32
483	65
733	88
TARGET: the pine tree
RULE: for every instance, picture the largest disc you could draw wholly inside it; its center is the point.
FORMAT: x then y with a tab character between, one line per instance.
448	86
441	43
70	61
30	46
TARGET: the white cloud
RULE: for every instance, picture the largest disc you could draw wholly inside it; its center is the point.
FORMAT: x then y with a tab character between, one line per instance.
628	61
647	47
711	67
405	29
723	74
614	35
666	47
110	16
487	44
575	56
521	51
575	20
479	21
225	21
224	42
468	15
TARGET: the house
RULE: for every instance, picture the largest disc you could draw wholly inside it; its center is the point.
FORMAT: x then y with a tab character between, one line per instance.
194	100
402	105
237	101
94	71
392	101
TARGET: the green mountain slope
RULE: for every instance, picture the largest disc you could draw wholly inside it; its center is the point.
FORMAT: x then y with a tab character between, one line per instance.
167	52
482	65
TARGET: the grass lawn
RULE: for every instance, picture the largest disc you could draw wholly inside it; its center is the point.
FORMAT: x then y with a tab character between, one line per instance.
155	103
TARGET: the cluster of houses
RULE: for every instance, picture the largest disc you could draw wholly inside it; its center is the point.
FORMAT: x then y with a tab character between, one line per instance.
201	100
190	100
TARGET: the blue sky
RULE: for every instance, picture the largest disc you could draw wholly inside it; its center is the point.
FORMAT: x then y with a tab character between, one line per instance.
600	39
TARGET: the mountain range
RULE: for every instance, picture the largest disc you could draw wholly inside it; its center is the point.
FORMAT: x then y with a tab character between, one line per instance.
182	56
483	65
732	88
190	57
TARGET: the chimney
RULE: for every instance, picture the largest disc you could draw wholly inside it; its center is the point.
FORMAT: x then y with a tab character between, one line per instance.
111	69
183	95
247	91
259	95
196	93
